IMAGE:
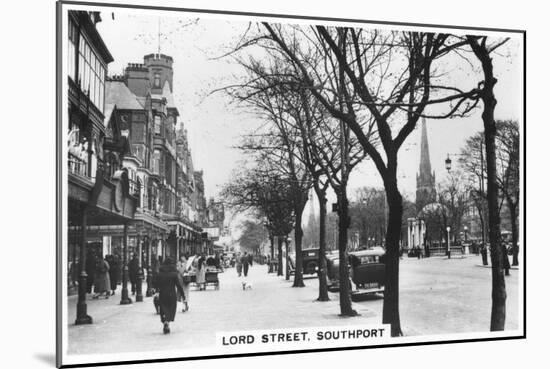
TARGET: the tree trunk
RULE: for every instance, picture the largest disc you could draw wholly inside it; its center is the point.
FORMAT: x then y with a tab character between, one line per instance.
272	246
512	206
298	235
343	224
287	260
390	314
498	310
322	270
279	256
482	223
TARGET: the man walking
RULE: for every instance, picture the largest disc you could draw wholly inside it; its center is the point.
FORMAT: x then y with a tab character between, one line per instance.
133	270
245	263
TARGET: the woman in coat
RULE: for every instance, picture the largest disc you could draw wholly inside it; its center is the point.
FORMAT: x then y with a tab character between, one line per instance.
102	281
184	272
168	284
239	264
114	271
201	272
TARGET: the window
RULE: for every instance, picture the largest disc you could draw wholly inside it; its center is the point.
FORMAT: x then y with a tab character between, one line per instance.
91	73
138	132
156	82
71	62
157	125
156	162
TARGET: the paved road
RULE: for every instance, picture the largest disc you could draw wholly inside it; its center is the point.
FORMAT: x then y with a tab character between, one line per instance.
437	296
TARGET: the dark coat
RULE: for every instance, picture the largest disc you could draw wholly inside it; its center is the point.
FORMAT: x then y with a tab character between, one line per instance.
169	284
114	271
102	282
133	270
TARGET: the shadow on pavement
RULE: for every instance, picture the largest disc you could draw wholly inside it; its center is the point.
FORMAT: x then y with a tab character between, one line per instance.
48	358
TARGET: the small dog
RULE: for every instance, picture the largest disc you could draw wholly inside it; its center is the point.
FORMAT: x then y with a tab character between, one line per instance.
156	303
246	286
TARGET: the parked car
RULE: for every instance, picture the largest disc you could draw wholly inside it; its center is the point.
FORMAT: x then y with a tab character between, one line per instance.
310	261
367	271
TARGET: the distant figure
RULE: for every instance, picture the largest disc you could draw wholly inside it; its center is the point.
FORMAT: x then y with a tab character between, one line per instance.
133	271
114	266
168	284
201	272
244	262
90	271
155	267
250	259
239	264
183	270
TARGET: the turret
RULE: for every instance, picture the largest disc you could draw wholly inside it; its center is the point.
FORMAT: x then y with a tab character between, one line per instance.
160	71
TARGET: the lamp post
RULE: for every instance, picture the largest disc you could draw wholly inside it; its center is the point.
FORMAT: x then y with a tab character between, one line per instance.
82	316
139	293
448	163
149	291
449	242
125	299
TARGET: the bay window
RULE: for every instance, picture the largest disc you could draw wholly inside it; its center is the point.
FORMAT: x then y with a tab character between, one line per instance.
71	62
91	73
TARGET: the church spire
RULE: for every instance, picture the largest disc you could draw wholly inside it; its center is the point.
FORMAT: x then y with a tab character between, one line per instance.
425	179
425	169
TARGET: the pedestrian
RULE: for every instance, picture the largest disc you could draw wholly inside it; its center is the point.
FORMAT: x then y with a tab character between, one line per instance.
114	266
239	264
133	271
244	262
155	267
185	278
168	284
201	272
102	283
250	259
90	270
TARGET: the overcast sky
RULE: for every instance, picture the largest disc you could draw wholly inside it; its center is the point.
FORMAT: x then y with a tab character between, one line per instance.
214	126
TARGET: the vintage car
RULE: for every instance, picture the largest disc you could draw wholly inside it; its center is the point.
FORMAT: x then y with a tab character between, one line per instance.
310	261
367	271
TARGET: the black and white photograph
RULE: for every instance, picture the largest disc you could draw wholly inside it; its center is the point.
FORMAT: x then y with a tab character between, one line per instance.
233	183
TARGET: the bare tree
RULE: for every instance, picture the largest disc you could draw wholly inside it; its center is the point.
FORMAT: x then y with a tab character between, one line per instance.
257	189
483	52
472	161
391	76
507	141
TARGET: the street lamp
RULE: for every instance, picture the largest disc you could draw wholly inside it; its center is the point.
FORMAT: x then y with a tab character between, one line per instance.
449	242
139	293
448	163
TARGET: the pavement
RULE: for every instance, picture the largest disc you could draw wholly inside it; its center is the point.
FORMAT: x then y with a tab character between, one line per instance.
437	295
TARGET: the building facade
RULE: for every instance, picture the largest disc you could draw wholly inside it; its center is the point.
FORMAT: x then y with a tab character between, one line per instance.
99	195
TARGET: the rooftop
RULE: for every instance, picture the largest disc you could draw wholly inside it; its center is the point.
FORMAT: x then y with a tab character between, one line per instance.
117	93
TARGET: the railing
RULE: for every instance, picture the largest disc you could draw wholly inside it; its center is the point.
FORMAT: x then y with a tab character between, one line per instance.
77	165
